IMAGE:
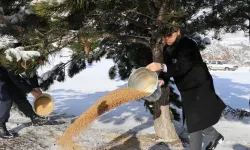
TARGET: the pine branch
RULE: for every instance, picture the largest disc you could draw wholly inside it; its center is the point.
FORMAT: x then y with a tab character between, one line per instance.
134	39
112	72
247	16
39	33
245	26
126	38
145	26
59	47
134	10
240	113
175	114
151	6
5	21
139	13
161	13
31	46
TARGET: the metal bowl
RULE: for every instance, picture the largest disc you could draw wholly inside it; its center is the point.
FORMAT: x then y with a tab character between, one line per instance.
49	98
145	80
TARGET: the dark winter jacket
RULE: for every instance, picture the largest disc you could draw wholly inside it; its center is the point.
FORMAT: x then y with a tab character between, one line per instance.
201	104
15	84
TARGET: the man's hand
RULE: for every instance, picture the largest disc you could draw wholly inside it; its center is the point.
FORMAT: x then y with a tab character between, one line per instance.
154	66
161	83
36	92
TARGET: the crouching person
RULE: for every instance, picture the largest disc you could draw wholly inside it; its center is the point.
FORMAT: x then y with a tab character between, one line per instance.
13	88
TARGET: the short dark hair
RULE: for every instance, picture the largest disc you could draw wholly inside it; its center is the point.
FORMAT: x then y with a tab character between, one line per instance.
168	30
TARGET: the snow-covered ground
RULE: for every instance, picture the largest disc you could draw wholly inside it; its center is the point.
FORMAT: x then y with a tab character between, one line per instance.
234	89
243	69
131	124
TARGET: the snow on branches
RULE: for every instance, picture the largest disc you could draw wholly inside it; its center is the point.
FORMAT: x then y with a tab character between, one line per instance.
6	41
20	54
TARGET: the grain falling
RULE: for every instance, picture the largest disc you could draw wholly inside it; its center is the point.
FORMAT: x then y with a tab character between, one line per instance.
43	106
104	104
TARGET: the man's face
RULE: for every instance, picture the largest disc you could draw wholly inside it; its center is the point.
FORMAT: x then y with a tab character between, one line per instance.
170	39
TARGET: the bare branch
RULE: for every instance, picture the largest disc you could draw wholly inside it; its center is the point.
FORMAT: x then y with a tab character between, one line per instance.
126	38
134	39
137	23
139	13
144	15
134	10
5	21
151	6
30	46
60	46
246	16
39	33
246	26
161	12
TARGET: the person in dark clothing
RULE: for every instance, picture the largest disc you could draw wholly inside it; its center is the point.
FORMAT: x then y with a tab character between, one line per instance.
14	88
201	105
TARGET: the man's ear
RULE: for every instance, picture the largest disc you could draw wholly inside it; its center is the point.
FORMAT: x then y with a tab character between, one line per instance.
178	32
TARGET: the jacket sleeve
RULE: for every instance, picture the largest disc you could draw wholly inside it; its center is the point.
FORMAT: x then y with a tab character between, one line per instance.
20	82
34	81
185	61
163	77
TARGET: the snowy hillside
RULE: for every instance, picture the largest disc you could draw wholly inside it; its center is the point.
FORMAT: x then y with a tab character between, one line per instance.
231	39
233	47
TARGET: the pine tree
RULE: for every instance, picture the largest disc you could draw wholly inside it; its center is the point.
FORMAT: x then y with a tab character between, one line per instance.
130	24
131	56
229	16
134	24
41	32
126	29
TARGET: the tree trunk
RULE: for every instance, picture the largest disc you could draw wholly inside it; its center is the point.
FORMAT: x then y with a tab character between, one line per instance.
163	125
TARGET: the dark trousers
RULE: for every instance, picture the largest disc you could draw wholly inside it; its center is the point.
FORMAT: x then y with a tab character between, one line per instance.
21	102
5	111
196	137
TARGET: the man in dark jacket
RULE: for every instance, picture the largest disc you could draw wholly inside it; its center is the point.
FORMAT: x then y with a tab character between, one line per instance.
201	105
14	88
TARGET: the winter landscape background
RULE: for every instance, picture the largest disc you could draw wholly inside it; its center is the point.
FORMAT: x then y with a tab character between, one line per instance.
128	126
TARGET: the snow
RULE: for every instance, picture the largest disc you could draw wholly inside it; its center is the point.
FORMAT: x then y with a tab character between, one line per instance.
234	47
20	54
17	17
6	40
230	39
233	87
202	12
76	95
243	69
60	57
